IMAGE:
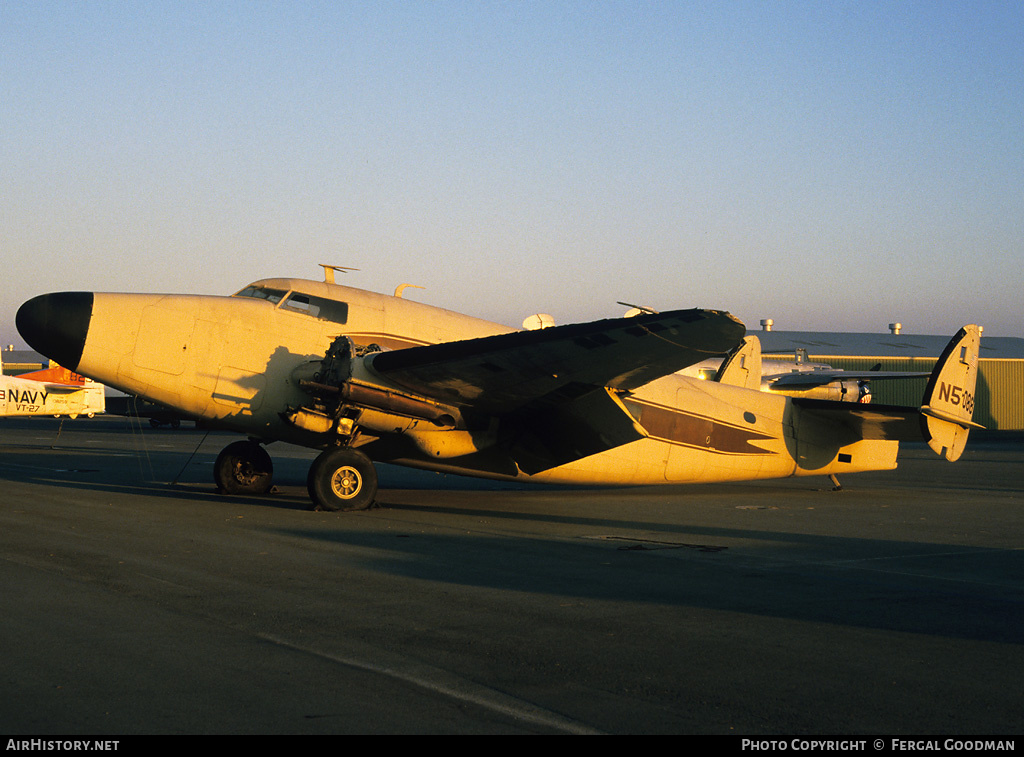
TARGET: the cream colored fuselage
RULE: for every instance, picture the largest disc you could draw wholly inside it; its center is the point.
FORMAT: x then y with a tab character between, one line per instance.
236	361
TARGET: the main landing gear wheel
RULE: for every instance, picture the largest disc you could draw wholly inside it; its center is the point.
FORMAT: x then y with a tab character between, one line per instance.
243	468
342	479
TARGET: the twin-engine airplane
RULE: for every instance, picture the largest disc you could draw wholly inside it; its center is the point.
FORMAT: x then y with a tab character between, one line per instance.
52	391
368	377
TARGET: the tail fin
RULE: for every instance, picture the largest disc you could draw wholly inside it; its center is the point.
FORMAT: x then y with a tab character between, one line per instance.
949	399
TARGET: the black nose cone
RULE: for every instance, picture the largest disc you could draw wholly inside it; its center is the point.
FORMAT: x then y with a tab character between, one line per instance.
56	325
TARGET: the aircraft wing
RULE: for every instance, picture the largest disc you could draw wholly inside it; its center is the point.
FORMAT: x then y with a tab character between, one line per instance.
809	379
556	389
503	373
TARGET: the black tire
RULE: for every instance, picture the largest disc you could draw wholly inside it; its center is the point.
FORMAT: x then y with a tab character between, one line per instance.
342	479
243	468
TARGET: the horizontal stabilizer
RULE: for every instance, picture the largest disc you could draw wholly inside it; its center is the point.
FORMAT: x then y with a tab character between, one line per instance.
871	421
931	412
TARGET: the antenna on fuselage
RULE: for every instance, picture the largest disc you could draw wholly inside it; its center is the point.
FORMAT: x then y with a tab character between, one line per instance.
330	269
402	287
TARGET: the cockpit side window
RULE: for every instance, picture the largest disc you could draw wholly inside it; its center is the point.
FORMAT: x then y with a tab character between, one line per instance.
301	303
318	307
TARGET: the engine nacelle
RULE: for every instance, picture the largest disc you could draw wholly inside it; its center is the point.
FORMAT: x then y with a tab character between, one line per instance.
842	391
346	396
836	391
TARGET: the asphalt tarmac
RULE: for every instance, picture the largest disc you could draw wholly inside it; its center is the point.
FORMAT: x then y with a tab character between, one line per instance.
135	600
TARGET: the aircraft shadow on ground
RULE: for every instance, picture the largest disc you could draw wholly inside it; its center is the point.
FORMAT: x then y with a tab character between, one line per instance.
937	596
705	571
916	587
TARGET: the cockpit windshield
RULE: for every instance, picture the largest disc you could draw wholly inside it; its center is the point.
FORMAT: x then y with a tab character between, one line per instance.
262	293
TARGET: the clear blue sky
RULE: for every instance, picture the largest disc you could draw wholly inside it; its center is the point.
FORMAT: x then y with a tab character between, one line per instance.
831	165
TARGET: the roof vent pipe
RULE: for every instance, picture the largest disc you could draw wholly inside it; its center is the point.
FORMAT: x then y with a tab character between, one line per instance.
895	327
766	324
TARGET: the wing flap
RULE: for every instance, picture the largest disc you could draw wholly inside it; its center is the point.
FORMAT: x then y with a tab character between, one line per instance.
500	374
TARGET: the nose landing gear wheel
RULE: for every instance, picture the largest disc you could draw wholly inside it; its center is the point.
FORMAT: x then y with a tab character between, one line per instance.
342	479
